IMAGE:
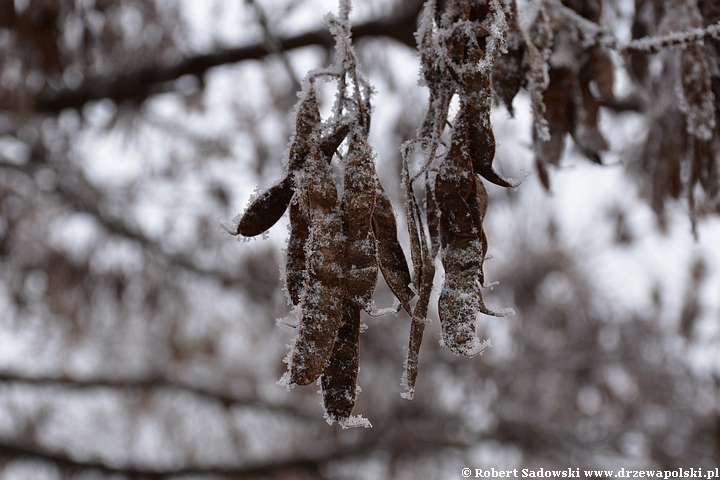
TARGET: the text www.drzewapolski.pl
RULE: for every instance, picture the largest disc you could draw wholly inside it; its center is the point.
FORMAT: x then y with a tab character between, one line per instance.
577	473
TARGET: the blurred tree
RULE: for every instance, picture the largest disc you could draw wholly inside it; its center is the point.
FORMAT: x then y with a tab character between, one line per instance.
136	341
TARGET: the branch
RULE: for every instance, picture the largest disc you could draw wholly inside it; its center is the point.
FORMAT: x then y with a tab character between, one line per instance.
138	85
65	462
153	383
657	43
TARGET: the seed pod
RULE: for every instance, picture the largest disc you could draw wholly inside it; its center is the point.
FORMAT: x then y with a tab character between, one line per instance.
698	103
307	118
480	136
478	204
295	257
584	113
510	68
358	206
339	380
324	289
458	303
266	209
600	69
557	101
393	264
417	327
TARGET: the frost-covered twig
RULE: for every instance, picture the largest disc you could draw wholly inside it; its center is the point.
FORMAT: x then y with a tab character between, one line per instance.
656	43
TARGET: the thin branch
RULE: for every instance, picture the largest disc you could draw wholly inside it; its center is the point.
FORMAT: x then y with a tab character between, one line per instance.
66	462
138	85
273	43
657	43
155	383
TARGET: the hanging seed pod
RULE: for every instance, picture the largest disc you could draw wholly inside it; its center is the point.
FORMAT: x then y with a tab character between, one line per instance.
585	131
266	209
307	118
393	264
478	204
459	300
510	68
600	69
698	100
557	101
461	255
417	327
358	205
324	285
479	134
339	380
295	257
456	188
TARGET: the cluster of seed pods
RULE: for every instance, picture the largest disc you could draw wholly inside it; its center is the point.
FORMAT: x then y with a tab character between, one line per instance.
336	248
338	244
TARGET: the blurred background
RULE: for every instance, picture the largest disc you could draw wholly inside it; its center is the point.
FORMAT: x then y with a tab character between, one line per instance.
140	340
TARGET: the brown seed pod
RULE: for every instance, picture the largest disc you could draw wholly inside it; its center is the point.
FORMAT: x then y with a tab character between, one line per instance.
393	264
339	380
599	68
461	252
324	285
266	209
460	297
584	122
295	256
510	68
358	205
698	102
477	204
307	118
480	139
424	279
557	100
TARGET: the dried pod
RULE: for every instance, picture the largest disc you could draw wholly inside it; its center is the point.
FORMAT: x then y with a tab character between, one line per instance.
478	204
474	119
698	100
295	257
393	264
458	304
324	289
599	69
358	205
339	380
557	101
584	119
510	68
266	209
425	273
307	118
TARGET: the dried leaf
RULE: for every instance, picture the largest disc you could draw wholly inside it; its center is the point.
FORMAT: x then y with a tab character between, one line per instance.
266	209
339	380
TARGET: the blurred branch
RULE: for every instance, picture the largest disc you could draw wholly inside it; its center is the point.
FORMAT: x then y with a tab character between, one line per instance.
66	462
84	197
151	384
147	80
